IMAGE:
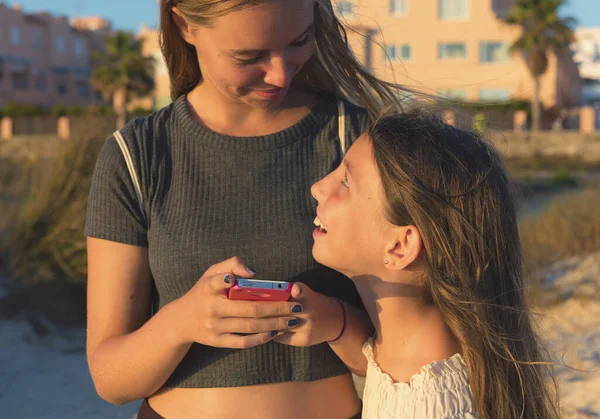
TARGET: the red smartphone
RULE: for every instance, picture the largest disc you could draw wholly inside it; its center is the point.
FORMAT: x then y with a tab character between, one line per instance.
260	290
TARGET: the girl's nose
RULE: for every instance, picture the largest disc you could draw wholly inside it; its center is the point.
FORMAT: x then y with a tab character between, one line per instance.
278	73
316	190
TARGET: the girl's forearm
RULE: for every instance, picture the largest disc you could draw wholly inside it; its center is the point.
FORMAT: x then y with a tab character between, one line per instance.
136	365
348	347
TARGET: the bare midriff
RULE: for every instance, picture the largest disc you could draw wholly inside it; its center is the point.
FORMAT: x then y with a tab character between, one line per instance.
331	398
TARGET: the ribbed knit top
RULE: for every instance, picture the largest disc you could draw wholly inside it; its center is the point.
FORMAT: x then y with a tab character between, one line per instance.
209	197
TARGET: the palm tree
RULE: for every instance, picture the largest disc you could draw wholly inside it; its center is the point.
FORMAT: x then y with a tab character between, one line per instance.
544	32
122	72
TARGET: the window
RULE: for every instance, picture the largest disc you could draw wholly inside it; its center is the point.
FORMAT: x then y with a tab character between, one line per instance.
20	80
493	95
83	91
36	39
398	52
399	7
452	51
454	94
79	47
60	44
453	9
61	88
40	80
501	7
493	52
15	35
345	8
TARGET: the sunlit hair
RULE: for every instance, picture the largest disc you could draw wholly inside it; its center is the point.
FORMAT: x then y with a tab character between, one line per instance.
452	185
333	68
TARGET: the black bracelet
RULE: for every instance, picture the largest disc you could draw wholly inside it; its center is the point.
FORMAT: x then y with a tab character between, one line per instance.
343	325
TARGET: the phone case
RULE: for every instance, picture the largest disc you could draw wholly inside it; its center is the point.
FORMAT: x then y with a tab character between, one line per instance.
256	290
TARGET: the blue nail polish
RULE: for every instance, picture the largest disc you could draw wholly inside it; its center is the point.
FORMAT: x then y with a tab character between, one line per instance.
292	323
227	279
274	333
297	309
250	270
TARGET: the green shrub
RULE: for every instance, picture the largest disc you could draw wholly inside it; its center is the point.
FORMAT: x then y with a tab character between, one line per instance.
506	105
74	110
102	110
480	123
563	177
58	110
14	110
140	112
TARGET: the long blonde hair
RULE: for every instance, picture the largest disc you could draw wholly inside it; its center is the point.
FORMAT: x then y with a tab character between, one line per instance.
333	68
452	185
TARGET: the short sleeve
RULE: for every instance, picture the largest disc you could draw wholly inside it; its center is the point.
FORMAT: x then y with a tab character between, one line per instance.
113	211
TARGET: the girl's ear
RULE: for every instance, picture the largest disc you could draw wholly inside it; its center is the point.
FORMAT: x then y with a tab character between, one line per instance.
184	28
405	249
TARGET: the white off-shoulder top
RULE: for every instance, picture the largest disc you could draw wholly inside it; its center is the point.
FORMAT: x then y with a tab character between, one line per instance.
440	390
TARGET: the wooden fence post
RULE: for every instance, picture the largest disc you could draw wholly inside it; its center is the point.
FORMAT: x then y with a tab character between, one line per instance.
63	128
587	120
520	121
6	128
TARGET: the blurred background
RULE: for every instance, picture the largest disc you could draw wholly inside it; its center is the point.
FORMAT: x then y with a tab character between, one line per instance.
524	72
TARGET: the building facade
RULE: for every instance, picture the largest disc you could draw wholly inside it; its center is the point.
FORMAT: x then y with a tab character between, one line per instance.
44	60
162	86
587	57
455	48
92	23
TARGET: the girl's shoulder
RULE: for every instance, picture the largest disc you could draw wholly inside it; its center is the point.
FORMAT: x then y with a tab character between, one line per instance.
421	394
148	138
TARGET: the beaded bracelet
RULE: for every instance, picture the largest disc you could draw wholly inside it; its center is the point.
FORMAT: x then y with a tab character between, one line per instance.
344	320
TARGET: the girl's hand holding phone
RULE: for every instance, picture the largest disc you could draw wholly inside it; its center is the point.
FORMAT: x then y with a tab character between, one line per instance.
321	319
208	317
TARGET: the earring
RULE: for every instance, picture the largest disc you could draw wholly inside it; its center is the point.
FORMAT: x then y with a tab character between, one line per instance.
385	262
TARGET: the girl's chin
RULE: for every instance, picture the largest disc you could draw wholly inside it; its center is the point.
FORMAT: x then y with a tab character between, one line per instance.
318	256
326	261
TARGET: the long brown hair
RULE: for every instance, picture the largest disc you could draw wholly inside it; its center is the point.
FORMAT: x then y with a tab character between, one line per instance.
333	68
452	185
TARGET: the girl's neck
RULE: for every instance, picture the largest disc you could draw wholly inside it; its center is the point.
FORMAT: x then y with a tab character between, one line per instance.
226	116
409	327
396	309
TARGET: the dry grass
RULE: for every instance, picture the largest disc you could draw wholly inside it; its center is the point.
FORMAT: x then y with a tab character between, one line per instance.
42	248
569	226
43	239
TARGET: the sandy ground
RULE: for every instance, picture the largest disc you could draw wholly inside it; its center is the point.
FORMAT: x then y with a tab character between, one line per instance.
572	329
47	377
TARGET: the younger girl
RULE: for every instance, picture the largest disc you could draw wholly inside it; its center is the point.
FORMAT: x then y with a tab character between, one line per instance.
420	216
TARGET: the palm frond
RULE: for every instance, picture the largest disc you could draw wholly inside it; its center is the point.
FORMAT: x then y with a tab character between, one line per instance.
123	66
